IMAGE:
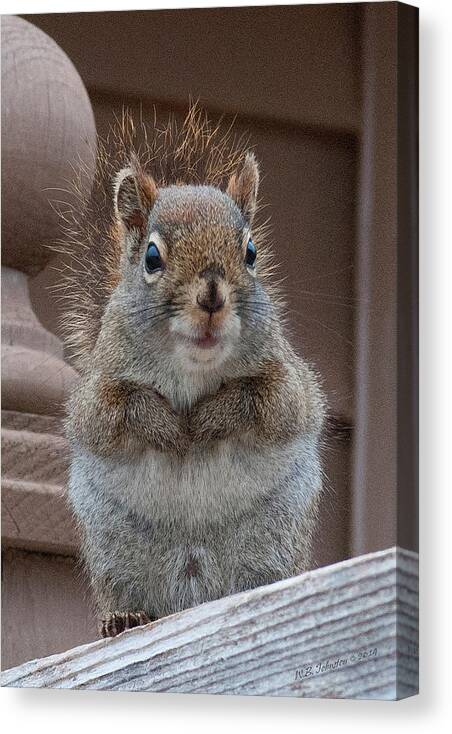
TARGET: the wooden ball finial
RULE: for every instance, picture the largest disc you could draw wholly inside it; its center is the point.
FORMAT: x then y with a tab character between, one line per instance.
48	129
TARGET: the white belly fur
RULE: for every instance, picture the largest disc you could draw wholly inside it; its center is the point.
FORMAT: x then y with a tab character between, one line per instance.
208	485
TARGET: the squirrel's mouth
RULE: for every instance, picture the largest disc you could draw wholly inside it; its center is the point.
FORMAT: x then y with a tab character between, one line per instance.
204	346
204	341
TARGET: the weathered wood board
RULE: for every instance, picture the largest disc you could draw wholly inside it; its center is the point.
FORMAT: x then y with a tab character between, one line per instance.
349	630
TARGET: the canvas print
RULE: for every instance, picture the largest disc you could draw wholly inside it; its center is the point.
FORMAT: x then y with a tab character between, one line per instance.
209	351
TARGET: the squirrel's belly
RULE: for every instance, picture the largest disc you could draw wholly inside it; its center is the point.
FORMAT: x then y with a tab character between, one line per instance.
207	485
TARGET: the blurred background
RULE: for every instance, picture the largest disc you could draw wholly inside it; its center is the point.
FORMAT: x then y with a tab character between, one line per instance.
317	91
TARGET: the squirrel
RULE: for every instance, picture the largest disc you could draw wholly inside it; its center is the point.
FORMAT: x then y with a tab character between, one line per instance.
195	427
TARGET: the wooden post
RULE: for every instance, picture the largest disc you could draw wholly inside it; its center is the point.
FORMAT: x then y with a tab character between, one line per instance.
48	130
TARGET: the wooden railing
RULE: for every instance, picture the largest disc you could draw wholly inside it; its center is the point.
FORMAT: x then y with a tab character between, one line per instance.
349	630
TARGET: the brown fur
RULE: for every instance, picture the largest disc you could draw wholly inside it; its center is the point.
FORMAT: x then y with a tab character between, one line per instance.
274	405
122	418
242	188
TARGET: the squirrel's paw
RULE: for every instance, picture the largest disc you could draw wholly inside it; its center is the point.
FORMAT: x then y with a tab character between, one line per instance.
206	425
118	622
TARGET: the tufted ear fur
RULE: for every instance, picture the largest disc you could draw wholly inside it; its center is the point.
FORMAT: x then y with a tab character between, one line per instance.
135	195
243	186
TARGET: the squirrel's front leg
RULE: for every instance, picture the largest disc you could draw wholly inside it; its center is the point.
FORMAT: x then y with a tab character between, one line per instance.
272	405
107	415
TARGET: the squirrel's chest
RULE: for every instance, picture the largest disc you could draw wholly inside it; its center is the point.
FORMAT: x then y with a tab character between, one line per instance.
205	486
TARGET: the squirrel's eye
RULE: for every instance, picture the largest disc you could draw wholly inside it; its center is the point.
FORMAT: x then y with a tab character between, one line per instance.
153	260
250	256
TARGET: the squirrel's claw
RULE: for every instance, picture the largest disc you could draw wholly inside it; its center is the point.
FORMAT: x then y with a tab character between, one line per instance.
118	622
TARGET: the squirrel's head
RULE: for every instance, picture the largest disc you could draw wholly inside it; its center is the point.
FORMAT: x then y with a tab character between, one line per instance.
190	263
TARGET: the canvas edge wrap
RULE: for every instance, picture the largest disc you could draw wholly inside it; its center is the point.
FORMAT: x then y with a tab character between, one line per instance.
407	276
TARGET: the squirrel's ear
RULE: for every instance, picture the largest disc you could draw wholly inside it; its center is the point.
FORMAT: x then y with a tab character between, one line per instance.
135	195
243	186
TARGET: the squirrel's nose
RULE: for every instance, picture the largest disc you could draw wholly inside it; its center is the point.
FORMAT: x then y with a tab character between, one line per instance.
212	300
